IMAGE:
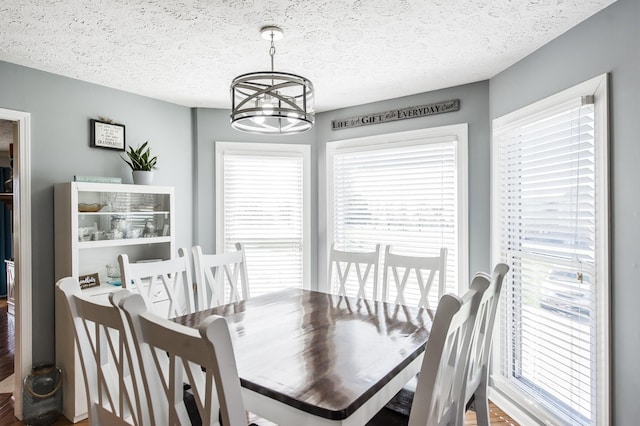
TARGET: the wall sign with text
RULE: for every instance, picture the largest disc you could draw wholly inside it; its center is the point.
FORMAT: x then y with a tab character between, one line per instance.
107	135
397	114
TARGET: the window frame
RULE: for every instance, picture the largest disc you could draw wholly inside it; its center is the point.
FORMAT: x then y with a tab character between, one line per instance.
506	394
266	150
458	132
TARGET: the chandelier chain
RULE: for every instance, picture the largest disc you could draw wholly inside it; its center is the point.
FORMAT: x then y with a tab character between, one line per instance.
272	51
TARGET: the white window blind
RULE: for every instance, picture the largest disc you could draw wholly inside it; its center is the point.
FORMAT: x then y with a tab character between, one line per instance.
403	194
547	212
263	199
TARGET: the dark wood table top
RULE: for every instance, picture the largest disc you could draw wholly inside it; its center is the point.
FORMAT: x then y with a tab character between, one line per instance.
318	352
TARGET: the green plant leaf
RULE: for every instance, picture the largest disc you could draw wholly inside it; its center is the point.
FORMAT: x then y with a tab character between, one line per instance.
140	158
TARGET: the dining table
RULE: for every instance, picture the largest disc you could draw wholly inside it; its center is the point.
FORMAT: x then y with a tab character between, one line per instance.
311	358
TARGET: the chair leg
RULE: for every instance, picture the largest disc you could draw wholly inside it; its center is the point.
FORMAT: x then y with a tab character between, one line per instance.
481	405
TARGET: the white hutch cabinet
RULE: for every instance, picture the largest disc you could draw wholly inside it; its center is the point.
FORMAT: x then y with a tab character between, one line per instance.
94	223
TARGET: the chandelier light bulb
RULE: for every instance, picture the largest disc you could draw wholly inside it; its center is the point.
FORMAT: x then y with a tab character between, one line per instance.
291	118
267	106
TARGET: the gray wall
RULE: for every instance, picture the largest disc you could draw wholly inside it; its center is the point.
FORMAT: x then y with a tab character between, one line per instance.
213	125
60	111
183	139
607	42
473	110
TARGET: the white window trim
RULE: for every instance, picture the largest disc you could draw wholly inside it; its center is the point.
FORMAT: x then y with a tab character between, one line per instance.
407	138
502	392
267	149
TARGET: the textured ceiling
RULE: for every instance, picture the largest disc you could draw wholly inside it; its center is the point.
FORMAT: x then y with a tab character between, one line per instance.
354	51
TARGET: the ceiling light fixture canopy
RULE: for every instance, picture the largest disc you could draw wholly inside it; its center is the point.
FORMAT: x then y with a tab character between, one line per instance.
270	102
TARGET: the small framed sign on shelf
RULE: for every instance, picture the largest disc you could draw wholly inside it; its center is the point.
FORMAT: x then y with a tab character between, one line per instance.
88	281
107	135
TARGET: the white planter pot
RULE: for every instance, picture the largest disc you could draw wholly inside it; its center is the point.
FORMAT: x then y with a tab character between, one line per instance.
142	177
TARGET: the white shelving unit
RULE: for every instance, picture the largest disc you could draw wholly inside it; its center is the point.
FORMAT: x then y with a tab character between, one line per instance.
94	223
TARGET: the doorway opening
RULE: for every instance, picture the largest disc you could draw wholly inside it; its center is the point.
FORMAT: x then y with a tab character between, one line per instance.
20	218
7	272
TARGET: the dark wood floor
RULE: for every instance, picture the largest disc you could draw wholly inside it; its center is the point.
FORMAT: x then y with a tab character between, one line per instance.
388	418
7	347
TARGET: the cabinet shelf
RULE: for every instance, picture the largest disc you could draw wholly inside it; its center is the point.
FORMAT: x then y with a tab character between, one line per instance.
136	213
123	242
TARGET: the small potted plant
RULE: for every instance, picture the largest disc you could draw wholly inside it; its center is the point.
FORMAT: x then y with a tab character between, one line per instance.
142	164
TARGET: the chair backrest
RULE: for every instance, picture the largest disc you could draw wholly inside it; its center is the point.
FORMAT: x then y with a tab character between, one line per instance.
159	280
202	358
480	346
220	274
115	394
400	268
343	261
440	390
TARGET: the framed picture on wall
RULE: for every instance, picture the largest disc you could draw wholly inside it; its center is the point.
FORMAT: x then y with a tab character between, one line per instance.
107	135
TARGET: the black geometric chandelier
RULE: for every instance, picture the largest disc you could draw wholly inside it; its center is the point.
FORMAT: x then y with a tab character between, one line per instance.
270	102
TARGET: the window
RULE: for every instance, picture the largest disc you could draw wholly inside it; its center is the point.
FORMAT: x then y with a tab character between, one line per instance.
550	225
407	190
263	202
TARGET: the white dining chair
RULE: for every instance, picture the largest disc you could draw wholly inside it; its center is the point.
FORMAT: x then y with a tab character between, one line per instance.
175	355
419	270
343	262
165	285
218	275
439	396
113	383
480	347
